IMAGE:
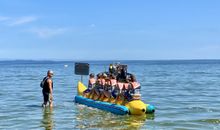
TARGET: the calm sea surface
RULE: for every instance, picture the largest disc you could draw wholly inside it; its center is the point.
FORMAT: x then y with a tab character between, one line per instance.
186	95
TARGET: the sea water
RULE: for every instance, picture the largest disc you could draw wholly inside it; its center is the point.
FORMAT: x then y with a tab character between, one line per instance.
186	94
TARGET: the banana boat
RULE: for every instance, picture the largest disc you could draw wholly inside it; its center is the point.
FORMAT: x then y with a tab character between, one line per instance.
134	107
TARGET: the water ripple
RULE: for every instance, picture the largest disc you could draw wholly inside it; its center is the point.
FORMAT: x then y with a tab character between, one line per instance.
186	96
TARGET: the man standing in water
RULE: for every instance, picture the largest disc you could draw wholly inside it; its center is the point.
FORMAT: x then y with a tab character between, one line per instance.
47	91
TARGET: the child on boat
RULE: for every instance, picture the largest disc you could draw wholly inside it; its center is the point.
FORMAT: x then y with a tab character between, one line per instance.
91	85
95	93
105	86
119	94
109	87
115	88
135	90
124	95
102	82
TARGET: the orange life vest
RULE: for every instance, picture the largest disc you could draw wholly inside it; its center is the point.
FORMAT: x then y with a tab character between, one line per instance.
126	86
135	85
113	82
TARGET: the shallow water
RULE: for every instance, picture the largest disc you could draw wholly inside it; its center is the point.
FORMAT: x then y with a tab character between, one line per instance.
185	93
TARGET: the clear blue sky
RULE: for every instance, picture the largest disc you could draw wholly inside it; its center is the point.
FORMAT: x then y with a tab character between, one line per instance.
109	30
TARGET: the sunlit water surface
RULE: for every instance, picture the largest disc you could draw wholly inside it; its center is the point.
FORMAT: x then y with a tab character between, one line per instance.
186	95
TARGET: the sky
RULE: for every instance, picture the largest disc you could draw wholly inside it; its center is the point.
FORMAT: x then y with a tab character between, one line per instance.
109	30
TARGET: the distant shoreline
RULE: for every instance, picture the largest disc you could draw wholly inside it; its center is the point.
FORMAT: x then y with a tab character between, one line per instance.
54	60
107	62
103	60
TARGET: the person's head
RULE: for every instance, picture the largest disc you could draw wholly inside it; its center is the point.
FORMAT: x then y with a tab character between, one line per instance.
99	76
91	75
50	73
104	75
128	79
113	76
133	78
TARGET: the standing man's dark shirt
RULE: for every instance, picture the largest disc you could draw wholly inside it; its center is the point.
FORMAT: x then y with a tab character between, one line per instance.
48	89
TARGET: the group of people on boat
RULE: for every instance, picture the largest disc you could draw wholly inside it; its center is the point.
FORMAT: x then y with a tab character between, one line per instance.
116	84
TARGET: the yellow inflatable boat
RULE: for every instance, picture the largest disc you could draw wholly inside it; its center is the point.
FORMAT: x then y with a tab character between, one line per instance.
134	107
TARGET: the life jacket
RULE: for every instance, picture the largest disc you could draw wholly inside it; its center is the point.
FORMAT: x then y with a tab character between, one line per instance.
107	85
135	85
120	85
126	86
113	82
117	88
92	82
136	88
99	84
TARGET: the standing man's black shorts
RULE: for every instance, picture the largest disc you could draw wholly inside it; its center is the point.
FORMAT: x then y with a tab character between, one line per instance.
46	96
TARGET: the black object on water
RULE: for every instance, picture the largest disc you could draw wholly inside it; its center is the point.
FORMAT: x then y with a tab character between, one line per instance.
81	68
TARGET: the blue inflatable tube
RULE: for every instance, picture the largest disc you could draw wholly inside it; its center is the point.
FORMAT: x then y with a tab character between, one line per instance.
113	108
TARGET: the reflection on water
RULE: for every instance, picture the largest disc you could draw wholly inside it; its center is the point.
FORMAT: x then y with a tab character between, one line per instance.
87	117
47	120
212	121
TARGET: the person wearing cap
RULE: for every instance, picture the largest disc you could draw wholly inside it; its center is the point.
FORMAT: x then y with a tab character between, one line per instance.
48	89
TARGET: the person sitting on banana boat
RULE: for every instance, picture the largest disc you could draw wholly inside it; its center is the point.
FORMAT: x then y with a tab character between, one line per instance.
124	95
99	88
119	95
129	90
115	88
102	84
105	85
95	91
135	89
91	84
109	87
125	88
